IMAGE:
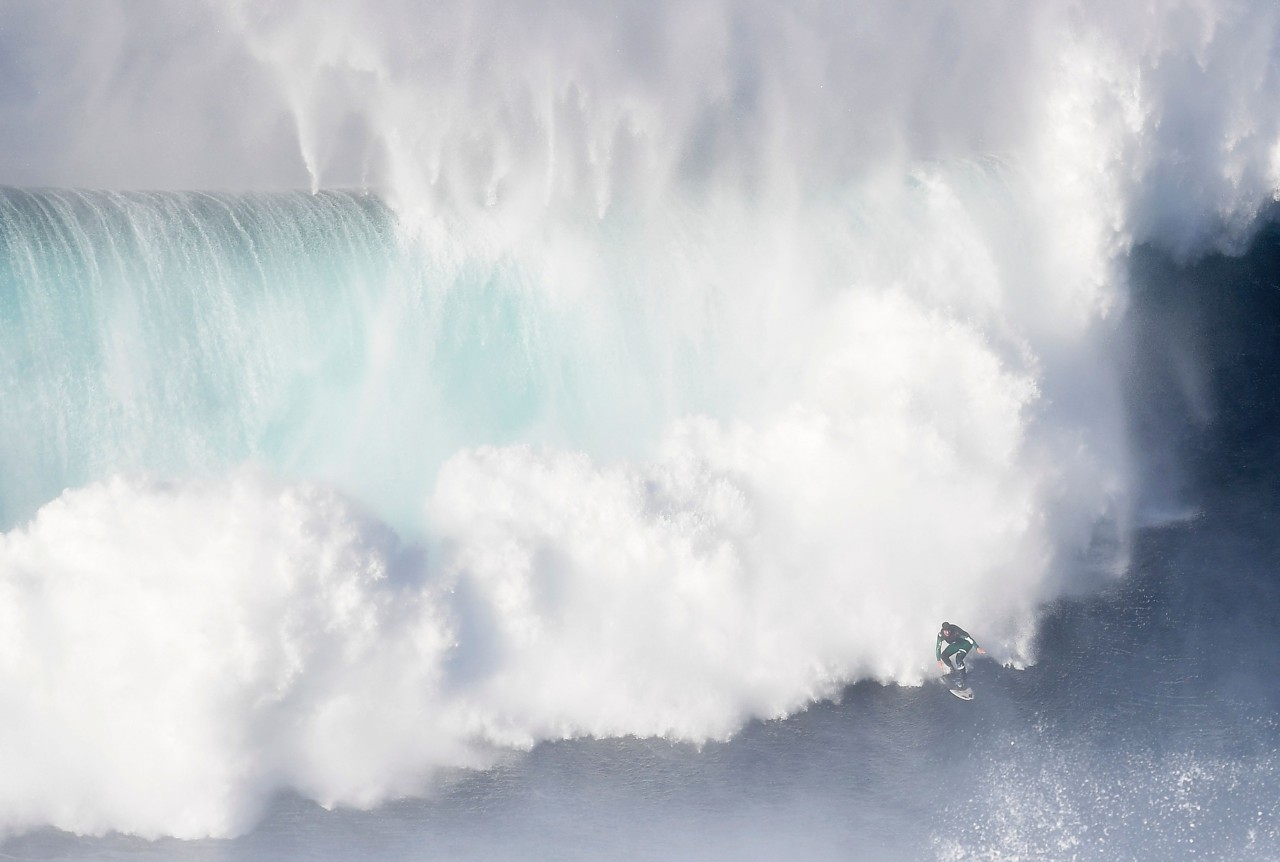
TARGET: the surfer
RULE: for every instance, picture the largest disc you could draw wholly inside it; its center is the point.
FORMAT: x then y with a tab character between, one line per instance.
954	644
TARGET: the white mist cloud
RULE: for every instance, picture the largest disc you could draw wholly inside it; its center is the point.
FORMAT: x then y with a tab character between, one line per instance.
136	95
477	104
527	105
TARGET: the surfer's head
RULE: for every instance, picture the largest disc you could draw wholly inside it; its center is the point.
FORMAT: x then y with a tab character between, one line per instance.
946	628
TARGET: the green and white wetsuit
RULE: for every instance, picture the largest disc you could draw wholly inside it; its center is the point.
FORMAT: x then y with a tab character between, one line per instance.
953	647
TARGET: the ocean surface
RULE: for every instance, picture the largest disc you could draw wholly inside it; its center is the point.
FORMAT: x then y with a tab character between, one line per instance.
473	434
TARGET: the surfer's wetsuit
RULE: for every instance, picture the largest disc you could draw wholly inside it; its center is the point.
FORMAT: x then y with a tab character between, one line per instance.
954	644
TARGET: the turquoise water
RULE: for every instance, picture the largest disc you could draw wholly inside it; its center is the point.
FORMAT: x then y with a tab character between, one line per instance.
184	333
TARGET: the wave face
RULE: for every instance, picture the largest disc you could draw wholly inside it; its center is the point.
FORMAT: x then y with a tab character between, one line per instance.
672	377
619	511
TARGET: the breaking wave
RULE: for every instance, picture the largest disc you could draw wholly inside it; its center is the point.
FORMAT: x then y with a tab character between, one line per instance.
648	394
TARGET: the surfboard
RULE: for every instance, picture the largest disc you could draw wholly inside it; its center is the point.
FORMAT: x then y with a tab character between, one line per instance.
962	693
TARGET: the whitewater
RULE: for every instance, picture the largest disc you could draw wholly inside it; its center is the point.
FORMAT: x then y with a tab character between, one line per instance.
398	399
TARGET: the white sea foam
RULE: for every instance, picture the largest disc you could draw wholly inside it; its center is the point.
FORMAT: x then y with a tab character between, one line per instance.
173	653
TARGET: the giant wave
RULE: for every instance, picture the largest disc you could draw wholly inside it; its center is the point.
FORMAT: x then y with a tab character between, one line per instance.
650	393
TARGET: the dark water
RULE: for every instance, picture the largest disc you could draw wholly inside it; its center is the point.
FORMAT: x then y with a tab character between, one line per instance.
1147	730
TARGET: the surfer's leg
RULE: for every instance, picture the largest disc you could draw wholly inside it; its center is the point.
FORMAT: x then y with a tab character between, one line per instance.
958	660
